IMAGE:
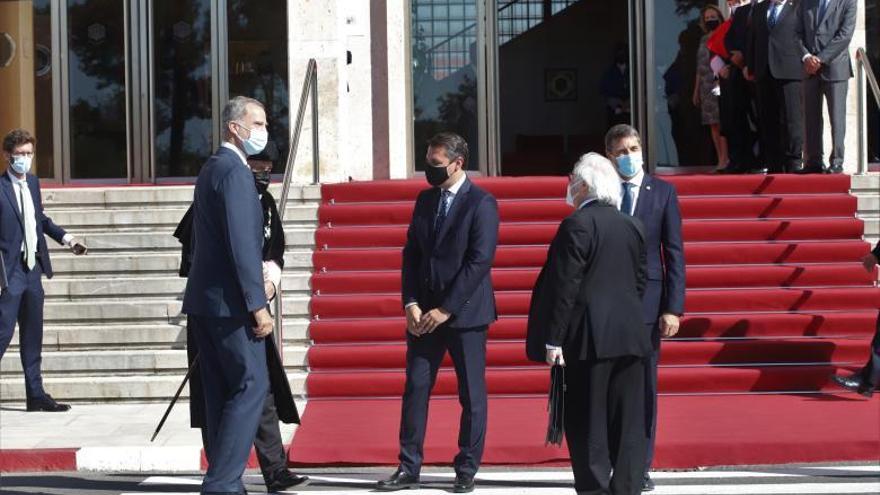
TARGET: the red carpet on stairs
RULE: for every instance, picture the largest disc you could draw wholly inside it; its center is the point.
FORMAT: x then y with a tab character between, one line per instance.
777	301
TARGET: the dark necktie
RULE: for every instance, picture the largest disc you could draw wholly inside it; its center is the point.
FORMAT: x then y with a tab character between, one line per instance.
774	14
441	212
823	7
626	204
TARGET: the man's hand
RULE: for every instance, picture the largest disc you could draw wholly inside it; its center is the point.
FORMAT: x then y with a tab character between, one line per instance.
265	324
413	318
695	98
78	248
869	261
669	324
269	287
748	74
553	355
737	58
812	64
433	319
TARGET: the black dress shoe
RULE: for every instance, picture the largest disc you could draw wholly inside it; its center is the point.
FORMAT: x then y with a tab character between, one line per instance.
854	383
647	484
286	479
808	169
834	169
759	170
463	484
400	480
46	403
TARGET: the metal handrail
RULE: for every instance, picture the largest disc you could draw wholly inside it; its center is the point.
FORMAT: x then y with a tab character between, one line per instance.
864	72
309	88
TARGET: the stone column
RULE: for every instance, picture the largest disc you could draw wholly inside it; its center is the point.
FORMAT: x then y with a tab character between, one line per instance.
850	164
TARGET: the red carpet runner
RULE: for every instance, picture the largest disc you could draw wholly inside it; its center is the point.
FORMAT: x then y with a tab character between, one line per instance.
776	301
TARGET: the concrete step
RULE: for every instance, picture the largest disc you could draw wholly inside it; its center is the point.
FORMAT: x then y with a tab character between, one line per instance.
115	388
872	225
133	336
150	196
869	183
868	204
128	362
158	240
82	220
162	310
167	263
58	288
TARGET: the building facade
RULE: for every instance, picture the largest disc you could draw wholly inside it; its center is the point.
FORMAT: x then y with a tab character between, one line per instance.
130	91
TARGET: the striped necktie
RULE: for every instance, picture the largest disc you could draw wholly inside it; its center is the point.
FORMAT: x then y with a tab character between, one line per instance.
774	14
442	210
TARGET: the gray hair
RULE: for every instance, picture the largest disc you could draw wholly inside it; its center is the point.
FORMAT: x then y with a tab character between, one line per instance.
236	109
618	132
601	178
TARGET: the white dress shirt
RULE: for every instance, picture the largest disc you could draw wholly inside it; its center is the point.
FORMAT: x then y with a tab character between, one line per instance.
228	145
20	188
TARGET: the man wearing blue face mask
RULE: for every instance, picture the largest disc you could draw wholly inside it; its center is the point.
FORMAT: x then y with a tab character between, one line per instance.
23	227
655	203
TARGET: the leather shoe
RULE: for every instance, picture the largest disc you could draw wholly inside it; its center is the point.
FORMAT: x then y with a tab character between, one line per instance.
400	480
834	169
648	484
286	479
854	383
759	171
463	484
808	169
46	403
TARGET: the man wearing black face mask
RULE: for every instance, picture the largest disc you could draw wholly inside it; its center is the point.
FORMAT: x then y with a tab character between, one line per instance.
279	404
449	303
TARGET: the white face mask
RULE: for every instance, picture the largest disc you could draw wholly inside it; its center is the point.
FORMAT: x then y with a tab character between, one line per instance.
256	142
21	164
569	195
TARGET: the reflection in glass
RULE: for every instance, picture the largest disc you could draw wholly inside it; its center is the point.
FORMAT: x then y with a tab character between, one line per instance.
258	64
96	40
681	138
444	62
872	37
182	86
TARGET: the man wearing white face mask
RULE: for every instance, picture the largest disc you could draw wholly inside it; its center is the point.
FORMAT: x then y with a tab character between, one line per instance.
23	227
655	203
225	299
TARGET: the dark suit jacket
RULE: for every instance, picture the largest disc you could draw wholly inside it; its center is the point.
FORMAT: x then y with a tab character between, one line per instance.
453	271
226	276
588	295
737	36
657	208
273	250
828	38
775	52
12	225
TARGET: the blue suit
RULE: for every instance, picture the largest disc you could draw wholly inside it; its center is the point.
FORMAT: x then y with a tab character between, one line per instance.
224	288
657	208
22	301
449	269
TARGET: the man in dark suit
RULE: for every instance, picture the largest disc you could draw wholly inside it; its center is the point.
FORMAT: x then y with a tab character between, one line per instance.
585	315
867	379
774	61
825	29
225	296
735	102
279	404
655	203
23	227
449	303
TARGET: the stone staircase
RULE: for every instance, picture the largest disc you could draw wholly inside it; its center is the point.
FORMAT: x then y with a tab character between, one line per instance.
867	189
113	329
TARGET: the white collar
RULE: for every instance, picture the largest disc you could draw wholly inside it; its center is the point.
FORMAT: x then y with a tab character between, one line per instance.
228	145
453	189
585	203
16	180
636	180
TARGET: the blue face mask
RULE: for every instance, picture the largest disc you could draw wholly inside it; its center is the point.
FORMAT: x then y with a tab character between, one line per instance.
21	163
630	165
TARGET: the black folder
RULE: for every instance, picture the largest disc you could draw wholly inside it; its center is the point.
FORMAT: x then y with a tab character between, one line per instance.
556	405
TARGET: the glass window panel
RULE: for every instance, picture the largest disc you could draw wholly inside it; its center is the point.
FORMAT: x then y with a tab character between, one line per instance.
98	117
182	108
872	36
258	64
26	78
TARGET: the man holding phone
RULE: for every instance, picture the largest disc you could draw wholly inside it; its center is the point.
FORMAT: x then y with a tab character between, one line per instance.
25	256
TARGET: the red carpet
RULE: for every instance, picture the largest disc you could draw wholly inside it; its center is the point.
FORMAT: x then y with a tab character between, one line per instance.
776	302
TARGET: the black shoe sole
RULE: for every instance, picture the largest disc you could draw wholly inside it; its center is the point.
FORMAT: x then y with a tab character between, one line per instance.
397	488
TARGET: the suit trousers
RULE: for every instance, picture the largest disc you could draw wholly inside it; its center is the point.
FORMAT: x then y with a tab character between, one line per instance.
651	394
605	424
22	303
870	373
834	92
467	348
780	107
735	105
232	362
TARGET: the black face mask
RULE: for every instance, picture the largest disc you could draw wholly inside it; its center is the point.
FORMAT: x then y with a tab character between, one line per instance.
713	24
436	175
261	180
